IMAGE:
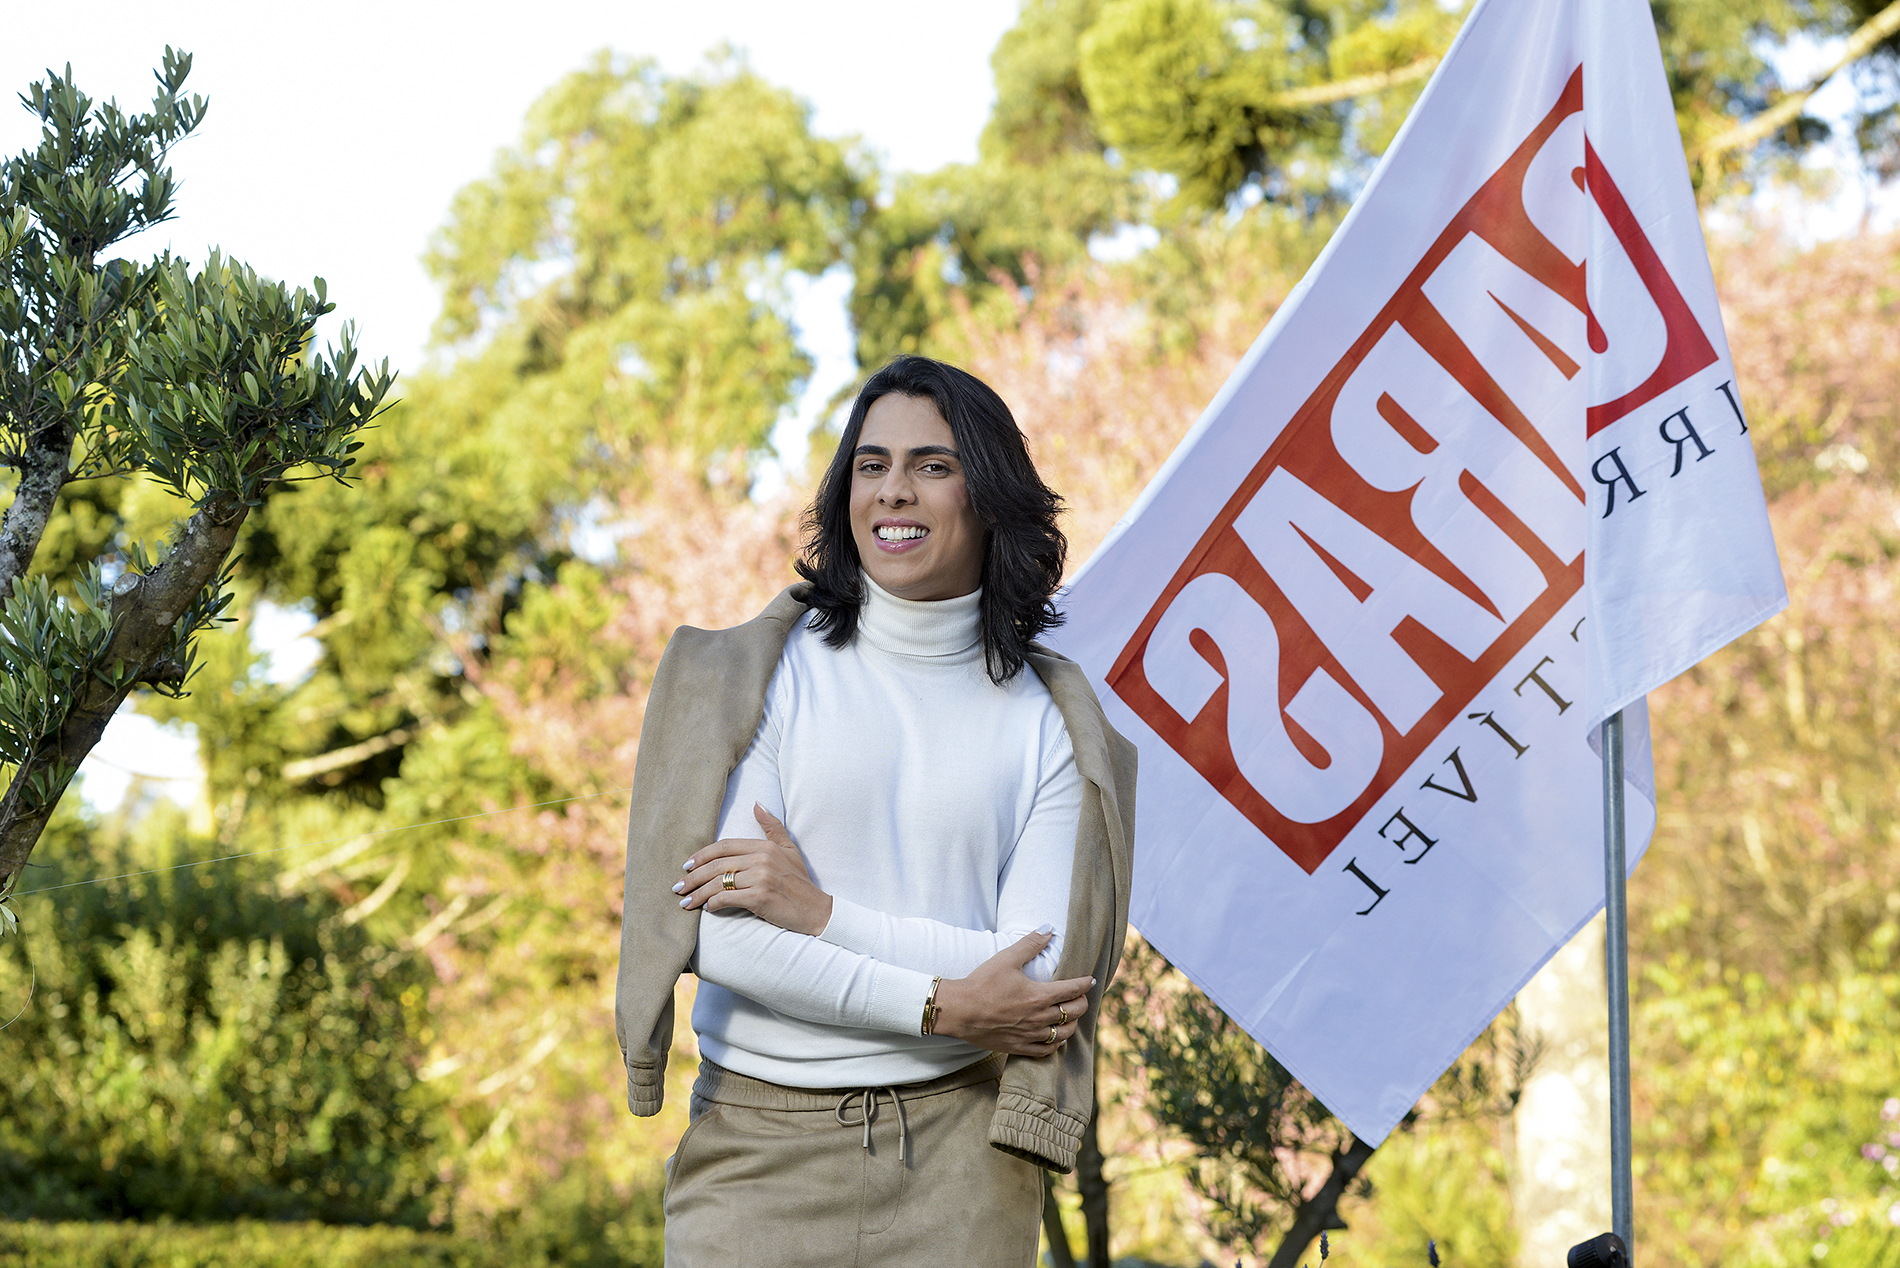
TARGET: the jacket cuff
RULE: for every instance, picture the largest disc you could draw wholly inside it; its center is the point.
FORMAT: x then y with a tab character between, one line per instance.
1036	1131
646	1089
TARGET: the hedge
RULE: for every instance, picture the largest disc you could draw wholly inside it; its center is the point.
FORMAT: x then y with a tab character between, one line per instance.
259	1244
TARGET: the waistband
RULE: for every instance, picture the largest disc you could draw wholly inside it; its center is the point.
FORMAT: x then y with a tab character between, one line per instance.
725	1087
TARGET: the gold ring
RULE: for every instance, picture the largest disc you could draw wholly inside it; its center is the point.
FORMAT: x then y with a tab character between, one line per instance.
1063	1011
729	881
1052	1036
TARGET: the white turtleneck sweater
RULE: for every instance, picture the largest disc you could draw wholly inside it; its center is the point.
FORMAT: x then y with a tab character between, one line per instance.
937	809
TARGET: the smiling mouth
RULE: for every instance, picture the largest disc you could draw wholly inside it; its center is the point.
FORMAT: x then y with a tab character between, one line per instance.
896	533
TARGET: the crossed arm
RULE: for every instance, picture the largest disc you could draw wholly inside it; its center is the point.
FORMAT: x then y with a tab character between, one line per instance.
986	998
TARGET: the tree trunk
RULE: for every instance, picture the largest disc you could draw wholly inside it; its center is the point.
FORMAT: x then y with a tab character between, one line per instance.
1560	1183
1094	1187
42	476
1059	1253
1321	1211
144	610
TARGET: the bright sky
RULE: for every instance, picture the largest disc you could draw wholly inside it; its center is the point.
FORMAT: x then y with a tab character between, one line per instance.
339	131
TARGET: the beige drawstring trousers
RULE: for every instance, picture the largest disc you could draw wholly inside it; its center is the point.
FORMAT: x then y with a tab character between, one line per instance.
782	1177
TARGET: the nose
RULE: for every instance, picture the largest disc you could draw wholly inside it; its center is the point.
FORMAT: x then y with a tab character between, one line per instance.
895	491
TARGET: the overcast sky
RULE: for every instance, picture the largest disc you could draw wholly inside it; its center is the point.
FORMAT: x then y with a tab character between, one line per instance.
339	131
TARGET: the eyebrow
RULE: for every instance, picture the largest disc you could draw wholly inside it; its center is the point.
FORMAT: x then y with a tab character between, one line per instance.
921	451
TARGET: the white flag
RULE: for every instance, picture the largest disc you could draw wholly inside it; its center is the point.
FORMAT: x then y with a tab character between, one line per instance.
1483	481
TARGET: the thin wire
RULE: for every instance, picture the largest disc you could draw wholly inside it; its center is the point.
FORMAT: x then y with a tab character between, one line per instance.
137	774
348	836
31	986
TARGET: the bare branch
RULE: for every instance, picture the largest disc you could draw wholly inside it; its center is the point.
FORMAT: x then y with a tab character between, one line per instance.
1785	111
339	758
1357	86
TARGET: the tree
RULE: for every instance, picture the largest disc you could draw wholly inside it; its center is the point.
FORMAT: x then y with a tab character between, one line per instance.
981	234
1273	1162
201	381
1278	96
492	591
614	300
627	261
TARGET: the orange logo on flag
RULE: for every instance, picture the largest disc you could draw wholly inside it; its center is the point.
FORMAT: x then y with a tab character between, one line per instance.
1413	527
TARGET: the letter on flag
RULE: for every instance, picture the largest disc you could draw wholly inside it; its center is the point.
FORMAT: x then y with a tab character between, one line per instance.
1484	480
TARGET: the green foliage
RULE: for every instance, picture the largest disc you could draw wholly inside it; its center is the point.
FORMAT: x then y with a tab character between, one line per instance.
1447	1182
1041	111
201	1046
1263	1145
52	648
1182	87
97	175
1712	52
1196	89
979	235
201	383
583	1222
625	262
253	1244
1768	1107
1255	1131
218	395
974	236
48	647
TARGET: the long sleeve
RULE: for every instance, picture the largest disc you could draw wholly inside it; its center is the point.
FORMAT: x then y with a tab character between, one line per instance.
800	976
1034	891
795	974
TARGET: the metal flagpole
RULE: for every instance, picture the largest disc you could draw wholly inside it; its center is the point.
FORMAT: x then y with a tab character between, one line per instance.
1616	965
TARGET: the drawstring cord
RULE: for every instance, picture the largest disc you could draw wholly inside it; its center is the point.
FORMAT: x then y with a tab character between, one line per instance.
867	1098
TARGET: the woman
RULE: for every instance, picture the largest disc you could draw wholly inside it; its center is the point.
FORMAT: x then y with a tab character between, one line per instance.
905	830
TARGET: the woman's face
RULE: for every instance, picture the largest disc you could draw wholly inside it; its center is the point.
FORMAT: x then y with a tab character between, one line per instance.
910	509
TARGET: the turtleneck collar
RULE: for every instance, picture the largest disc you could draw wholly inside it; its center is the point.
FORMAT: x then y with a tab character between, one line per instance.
946	627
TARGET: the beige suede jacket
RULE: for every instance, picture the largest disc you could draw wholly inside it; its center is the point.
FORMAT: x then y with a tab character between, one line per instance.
708	696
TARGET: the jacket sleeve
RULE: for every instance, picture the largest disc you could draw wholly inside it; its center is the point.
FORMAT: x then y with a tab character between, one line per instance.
1044	1103
703	709
655	944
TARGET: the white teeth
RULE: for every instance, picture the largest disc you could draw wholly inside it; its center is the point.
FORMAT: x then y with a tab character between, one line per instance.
892	533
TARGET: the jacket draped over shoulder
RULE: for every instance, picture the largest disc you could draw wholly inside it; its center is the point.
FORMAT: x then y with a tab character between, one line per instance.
707	699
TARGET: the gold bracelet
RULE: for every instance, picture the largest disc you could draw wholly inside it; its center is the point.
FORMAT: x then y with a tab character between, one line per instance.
930	1006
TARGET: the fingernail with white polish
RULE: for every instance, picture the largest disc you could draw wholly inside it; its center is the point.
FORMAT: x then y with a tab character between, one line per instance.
684	901
679	887
687	866
1045	928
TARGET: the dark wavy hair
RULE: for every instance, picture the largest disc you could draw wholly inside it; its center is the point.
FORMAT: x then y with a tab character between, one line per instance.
1024	550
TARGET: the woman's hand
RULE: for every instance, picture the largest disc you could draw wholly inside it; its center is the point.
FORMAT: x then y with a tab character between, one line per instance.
770	879
1001	1008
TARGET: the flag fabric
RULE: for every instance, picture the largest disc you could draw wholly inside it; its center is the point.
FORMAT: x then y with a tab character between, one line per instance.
1484	480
